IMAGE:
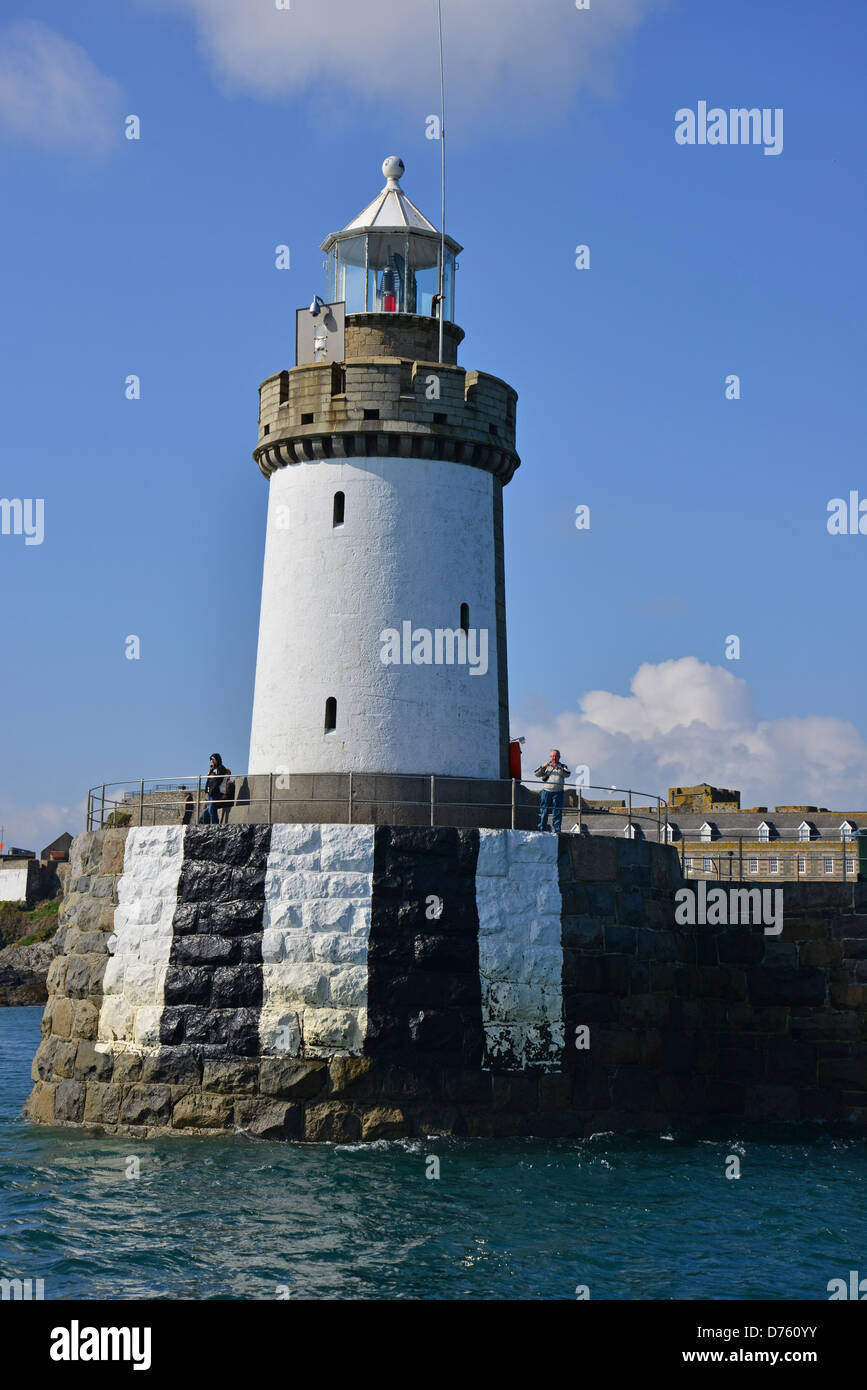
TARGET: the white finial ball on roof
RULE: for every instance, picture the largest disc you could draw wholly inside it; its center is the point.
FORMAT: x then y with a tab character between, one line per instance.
393	167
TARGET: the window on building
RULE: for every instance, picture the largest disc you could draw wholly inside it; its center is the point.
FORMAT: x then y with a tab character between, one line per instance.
764	832
339	508
803	831
754	866
828	864
850	866
802	863
687	864
773	865
706	832
330	714
706	864
465	617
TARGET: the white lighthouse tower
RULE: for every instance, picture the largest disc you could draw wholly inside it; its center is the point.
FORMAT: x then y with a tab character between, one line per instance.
382	637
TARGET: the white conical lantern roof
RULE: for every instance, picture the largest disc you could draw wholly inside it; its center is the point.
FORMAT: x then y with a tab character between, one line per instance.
391	210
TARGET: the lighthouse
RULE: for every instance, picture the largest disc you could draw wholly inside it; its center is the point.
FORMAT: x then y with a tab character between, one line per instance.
382	632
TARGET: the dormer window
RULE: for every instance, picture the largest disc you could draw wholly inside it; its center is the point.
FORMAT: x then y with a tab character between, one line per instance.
670	833
847	829
805	831
707	832
633	832
764	832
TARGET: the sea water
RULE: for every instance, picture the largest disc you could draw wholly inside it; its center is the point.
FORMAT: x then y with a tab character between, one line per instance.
622	1218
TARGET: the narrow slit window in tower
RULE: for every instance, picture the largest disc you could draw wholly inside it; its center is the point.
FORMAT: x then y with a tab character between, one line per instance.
330	714
465	617
339	505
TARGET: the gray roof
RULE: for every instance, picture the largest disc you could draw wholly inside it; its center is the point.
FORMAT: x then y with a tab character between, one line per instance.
727	824
390	210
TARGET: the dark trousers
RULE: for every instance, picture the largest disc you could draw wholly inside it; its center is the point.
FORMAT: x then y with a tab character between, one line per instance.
551	804
210	815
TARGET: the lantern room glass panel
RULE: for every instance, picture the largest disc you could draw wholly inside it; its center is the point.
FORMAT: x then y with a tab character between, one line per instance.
449	287
387	272
348	261
391	272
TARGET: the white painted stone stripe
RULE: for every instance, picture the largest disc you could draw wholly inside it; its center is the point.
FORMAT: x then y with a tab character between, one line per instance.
519	904
318	888
134	981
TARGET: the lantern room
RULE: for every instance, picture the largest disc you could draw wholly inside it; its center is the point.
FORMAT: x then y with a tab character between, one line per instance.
387	260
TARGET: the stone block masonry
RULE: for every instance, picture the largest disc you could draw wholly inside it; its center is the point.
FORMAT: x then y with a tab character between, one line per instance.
303	418
332	982
317	904
520	950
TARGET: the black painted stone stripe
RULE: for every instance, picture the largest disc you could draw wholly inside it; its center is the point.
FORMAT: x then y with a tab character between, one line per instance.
213	990
423	991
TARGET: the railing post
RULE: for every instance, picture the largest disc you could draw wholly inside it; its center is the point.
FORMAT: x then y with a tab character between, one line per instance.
629	812
513	803
141	802
350	798
741	857
88	816
198	800
102	808
432	799
666	822
270	796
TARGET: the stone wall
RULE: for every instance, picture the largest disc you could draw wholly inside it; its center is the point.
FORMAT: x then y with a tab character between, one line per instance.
409	336
344	982
316	412
694	1023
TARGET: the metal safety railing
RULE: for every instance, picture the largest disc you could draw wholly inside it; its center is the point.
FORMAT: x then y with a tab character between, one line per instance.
421	799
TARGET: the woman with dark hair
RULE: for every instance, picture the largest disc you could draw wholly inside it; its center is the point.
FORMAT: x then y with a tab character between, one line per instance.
216	782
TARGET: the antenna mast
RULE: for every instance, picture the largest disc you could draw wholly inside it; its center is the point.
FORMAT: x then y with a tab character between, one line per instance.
443	163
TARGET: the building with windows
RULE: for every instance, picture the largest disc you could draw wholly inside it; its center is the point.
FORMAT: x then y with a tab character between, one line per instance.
717	838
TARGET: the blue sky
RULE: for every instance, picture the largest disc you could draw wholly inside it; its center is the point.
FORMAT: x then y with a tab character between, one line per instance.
156	257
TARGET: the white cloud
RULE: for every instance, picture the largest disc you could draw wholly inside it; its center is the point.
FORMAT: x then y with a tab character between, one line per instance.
505	59
686	721
51	93
34	827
